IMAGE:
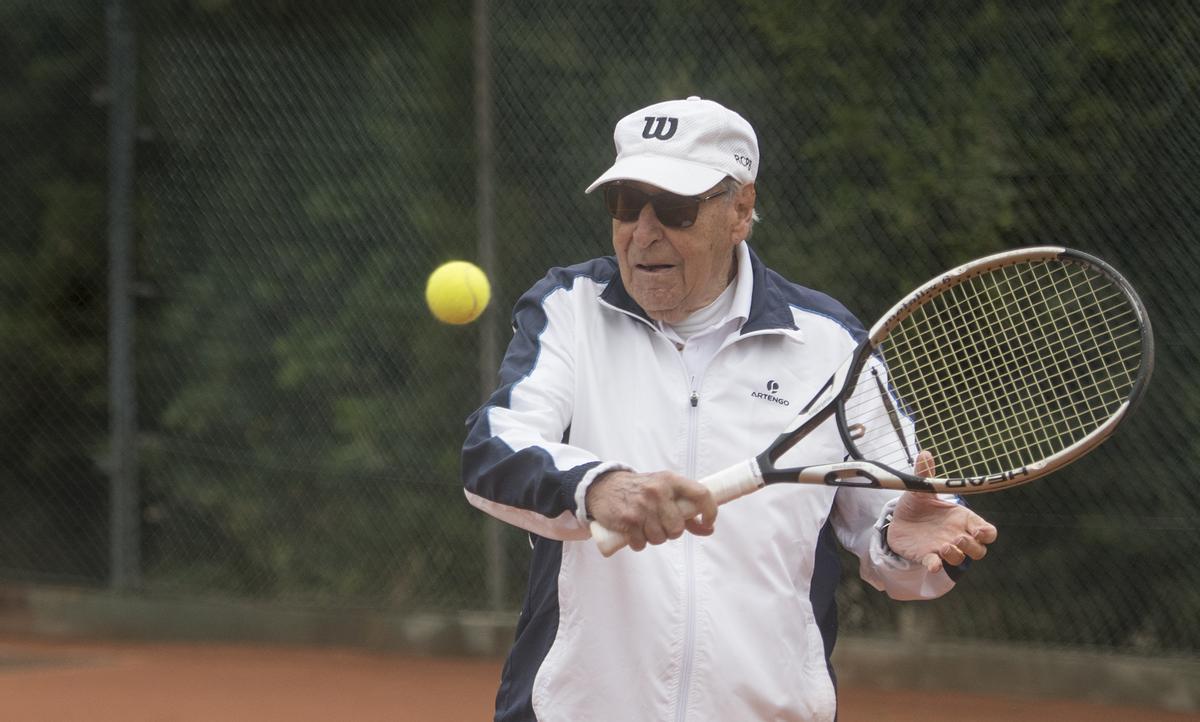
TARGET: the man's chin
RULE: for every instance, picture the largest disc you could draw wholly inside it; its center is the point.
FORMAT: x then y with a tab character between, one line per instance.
664	313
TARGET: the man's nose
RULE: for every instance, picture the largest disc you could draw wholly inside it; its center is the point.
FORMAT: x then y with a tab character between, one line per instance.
647	228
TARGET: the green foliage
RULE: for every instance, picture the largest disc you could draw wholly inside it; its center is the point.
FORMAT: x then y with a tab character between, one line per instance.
299	400
304	164
52	290
923	142
901	130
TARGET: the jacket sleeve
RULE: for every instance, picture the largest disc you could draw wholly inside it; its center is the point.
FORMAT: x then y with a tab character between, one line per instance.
516	463
858	516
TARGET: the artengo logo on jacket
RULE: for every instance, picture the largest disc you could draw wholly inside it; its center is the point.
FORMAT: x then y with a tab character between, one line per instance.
772	387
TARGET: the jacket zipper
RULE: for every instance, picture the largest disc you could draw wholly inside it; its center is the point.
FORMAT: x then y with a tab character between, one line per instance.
689	642
689	639
689	561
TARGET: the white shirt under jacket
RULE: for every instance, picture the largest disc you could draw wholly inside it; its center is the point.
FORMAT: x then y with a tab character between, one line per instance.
733	627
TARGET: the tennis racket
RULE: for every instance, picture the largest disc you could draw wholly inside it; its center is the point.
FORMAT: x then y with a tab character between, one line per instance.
1005	369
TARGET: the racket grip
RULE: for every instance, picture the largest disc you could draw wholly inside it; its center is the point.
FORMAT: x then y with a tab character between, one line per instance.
735	481
609	542
725	485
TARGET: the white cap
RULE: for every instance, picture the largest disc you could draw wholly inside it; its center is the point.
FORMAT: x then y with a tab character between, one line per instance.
683	146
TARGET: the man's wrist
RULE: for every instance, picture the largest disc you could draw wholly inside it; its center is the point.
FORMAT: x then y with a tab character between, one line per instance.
883	534
591	477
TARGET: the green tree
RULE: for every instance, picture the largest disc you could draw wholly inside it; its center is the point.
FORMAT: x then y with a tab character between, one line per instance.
929	134
53	495
300	384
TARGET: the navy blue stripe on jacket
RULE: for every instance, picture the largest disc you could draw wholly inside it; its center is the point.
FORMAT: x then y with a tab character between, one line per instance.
536	630
528	478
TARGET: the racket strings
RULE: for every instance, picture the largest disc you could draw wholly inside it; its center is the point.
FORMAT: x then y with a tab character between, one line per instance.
1129	379
982	367
1004	369
1001	436
1027	406
1050	368
1021	407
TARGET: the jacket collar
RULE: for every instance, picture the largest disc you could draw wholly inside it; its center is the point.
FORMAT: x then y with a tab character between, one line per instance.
769	308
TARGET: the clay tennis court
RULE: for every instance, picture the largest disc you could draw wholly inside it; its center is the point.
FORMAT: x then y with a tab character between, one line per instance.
98	682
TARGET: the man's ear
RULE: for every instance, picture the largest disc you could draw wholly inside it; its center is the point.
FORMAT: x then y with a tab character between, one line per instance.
743	206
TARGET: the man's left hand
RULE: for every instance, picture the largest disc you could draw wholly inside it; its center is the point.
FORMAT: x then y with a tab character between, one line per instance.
933	531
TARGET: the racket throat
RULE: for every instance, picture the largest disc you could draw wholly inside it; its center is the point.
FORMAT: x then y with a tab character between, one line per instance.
894	417
859	474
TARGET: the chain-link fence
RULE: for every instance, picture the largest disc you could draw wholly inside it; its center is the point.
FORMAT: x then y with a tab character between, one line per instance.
302	166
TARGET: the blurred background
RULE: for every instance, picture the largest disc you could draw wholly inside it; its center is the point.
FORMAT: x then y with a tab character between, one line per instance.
219	380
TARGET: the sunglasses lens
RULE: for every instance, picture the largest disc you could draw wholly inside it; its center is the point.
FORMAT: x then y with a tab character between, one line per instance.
675	211
623	203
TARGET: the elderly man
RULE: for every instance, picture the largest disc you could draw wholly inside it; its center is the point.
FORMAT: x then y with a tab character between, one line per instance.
628	378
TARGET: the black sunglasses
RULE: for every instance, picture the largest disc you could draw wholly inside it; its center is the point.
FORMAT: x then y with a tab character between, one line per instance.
625	204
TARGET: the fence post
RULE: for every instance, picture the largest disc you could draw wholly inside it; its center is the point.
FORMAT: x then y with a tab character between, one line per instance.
486	255
124	526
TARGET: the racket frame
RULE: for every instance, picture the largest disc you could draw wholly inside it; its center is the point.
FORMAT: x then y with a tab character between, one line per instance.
862	472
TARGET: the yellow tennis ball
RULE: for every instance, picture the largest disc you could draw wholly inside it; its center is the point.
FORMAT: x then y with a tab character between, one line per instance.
457	292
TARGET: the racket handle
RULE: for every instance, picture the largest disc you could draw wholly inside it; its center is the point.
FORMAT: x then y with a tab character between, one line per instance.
736	481
725	485
609	542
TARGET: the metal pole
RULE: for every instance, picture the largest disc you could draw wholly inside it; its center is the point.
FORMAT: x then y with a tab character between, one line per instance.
124	526
489	356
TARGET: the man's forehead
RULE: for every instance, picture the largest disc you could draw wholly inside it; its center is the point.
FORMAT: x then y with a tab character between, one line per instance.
643	187
650	189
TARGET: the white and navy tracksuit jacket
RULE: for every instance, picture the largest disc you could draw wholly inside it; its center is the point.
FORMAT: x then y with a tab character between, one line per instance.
733	627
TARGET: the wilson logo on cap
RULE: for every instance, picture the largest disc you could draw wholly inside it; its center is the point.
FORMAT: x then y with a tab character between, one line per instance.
658	127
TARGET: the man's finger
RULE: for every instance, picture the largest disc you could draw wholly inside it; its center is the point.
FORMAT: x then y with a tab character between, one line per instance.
932	562
654	532
952	554
697	500
924	465
971	547
671	520
637	541
983	532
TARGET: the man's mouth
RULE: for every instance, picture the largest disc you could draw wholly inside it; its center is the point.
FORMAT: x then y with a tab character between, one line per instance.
654	267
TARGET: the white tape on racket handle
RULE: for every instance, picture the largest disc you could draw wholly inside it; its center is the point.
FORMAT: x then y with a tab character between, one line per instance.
726	485
609	542
738	480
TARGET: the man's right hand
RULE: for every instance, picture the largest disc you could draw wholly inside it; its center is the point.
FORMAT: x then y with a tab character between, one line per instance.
646	507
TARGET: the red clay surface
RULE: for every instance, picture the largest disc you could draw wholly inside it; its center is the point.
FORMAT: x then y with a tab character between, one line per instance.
101	682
